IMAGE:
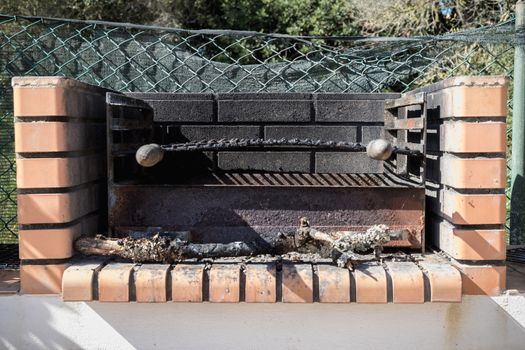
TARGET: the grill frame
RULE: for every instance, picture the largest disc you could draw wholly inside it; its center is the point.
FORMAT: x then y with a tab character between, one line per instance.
254	203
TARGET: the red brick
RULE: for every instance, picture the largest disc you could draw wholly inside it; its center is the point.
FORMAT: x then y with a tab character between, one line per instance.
78	282
371	284
186	283
469	97
113	282
39	208
41	279
44	136
473	173
48	243
54	243
57	96
483	280
334	284
225	283
297	284
444	282
473	137
260	283
407	283
59	172
471	244
151	283
472	209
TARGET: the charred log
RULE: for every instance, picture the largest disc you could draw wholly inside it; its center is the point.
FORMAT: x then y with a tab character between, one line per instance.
343	247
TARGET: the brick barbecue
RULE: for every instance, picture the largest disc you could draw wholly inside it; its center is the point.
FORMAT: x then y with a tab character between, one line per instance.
441	193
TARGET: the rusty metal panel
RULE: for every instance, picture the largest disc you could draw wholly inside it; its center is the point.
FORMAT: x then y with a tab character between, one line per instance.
243	213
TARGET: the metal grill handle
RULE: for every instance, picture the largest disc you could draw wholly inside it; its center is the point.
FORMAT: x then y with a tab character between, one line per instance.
151	154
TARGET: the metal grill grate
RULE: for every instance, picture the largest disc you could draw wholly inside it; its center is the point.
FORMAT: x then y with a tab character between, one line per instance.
516	255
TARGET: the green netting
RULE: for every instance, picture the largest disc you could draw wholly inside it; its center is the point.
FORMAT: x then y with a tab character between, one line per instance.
150	59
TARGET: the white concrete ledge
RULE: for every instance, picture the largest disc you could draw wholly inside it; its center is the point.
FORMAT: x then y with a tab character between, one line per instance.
45	322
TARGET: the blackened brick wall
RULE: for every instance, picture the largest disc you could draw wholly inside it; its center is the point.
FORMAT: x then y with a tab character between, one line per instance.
339	117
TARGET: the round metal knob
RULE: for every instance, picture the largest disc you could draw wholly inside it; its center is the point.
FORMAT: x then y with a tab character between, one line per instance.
149	155
379	149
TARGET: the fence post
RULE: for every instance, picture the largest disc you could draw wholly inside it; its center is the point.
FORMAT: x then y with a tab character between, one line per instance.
517	204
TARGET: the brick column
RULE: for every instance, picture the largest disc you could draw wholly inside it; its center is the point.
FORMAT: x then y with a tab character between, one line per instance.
467	177
60	150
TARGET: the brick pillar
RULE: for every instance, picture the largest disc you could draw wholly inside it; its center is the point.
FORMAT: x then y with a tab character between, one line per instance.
60	150
467	177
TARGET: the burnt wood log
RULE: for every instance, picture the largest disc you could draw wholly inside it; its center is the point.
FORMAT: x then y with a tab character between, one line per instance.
344	248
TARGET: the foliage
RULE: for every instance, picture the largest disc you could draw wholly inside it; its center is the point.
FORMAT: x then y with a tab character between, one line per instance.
423	17
295	17
133	11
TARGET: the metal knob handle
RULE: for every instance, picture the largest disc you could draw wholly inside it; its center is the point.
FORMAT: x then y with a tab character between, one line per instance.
379	149
149	155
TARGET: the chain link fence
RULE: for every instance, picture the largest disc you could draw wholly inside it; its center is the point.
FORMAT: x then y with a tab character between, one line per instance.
150	59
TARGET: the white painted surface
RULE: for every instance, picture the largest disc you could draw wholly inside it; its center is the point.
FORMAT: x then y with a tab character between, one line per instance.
30	322
514	305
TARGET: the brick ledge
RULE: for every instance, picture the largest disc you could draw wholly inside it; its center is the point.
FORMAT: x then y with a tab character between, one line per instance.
464	80
55	81
428	280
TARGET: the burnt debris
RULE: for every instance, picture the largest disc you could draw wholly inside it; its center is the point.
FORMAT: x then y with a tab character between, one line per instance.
342	247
